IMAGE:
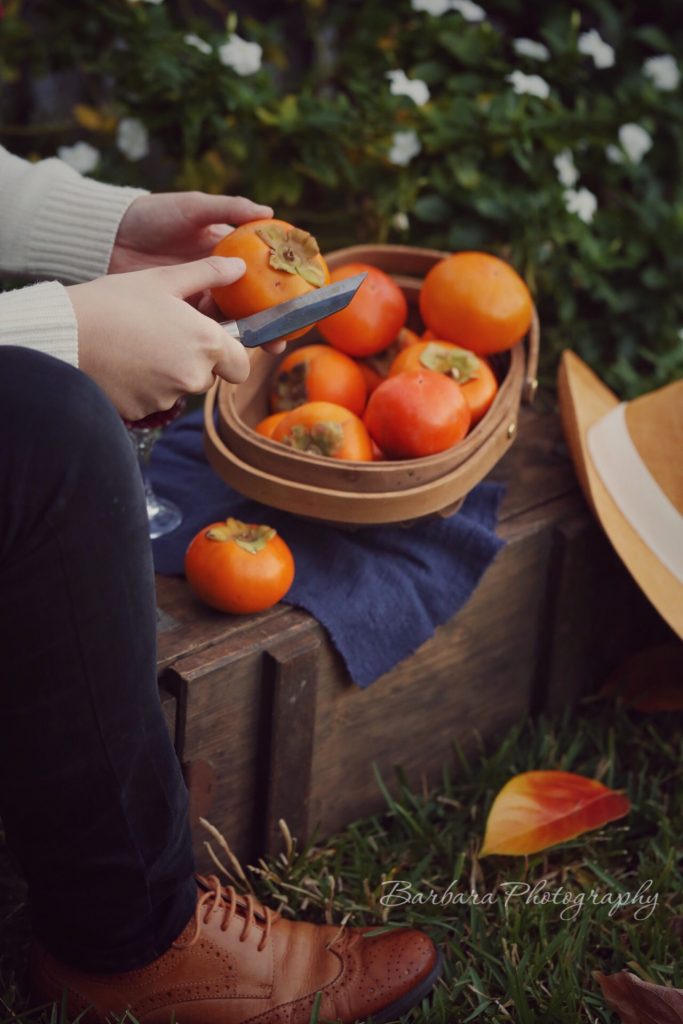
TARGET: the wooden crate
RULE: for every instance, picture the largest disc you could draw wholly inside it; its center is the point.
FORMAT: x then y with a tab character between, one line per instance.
268	725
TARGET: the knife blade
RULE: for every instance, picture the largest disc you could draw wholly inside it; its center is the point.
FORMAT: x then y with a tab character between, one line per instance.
287	317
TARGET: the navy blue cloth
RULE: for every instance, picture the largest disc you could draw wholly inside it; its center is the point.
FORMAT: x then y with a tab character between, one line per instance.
379	591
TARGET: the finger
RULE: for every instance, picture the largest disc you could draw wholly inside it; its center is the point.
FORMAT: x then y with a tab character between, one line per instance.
217	232
232	362
275	347
186	279
202	209
208	306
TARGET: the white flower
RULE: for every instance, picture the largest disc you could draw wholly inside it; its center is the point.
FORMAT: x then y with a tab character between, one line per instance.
468	10
81	156
132	138
663	72
591	44
243	57
404	146
635	141
433	7
200	44
400	221
566	168
581	202
415	88
614	155
530	48
534	85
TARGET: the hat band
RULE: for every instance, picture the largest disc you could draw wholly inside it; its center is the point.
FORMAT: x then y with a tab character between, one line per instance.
635	491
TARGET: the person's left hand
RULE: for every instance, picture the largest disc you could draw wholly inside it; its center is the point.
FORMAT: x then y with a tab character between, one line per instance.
177	227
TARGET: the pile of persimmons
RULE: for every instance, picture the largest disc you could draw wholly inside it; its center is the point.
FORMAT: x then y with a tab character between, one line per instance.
376	389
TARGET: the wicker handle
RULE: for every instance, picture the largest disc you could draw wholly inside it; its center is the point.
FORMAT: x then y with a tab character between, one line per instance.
533	343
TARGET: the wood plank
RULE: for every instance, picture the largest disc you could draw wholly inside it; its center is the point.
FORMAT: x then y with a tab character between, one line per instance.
291	676
470	681
537	469
189	627
220	722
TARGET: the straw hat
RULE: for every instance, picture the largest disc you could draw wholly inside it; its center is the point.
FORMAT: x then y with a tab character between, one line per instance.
629	460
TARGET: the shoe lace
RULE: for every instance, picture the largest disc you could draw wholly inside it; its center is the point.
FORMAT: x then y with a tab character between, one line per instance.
217	898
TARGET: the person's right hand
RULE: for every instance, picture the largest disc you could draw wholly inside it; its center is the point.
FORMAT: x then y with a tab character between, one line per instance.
143	341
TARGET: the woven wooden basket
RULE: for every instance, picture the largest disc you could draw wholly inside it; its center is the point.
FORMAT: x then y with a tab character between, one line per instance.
348	493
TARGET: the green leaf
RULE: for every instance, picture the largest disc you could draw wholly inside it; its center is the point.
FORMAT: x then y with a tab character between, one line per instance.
431	209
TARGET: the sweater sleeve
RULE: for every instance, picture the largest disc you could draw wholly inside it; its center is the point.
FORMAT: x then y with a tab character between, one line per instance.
54	223
40	317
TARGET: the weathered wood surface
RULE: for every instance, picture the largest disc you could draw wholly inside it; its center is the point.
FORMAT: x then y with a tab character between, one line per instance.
268	724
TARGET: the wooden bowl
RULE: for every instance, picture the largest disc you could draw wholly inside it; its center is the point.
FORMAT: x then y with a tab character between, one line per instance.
346	492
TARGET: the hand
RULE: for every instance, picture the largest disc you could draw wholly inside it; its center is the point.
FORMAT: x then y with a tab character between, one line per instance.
174	227
142	340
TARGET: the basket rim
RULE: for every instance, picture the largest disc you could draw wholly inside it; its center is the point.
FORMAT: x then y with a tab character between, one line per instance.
218	454
468	446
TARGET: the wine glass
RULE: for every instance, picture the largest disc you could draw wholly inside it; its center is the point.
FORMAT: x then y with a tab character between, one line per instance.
163	515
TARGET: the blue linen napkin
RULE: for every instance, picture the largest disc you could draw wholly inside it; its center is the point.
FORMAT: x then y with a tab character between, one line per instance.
379	591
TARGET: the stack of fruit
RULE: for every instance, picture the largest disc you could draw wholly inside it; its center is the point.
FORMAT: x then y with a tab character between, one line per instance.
377	389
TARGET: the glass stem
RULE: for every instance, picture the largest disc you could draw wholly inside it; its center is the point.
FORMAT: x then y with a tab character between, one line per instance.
144	439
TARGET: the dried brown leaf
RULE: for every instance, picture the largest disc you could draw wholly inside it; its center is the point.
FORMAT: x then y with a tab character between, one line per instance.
639	1002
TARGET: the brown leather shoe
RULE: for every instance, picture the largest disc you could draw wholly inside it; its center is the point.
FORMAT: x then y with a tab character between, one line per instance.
238	961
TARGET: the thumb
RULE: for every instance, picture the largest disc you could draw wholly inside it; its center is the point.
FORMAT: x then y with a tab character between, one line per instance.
185	279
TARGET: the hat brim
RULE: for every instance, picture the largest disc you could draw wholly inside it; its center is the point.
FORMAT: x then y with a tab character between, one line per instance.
584	400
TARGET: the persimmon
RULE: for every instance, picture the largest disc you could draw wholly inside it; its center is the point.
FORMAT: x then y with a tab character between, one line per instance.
318	373
324	428
282	261
477	301
268	425
406	337
416	413
473	373
377	453
372	319
239	567
371	376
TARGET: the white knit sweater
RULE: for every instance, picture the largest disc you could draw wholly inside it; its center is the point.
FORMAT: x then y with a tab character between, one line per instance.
57	225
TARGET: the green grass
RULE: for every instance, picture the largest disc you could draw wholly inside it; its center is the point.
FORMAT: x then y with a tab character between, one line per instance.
521	963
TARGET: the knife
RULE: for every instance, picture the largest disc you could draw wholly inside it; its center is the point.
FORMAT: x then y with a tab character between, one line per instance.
286	317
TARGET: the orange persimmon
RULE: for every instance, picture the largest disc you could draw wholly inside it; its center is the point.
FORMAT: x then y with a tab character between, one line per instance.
239	567
477	301
318	373
416	413
282	261
324	428
473	373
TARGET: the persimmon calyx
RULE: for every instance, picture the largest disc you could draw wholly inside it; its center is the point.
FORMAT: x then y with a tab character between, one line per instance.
290	388
251	537
294	251
458	362
324	438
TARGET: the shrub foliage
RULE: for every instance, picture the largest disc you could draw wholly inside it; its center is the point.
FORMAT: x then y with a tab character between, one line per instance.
565	160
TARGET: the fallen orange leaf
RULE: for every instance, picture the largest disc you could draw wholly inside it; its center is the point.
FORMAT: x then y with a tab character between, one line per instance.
535	810
640	1002
651	680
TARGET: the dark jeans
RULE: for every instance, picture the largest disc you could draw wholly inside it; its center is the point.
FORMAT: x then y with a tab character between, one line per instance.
91	795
